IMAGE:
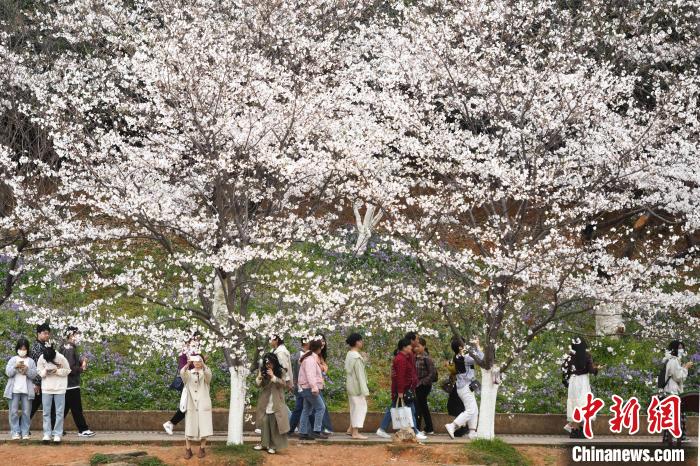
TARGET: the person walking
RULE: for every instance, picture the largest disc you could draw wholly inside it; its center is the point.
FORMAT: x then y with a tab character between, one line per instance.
356	385
311	383
464	367
323	357
20	371
53	369
191	348
43	335
576	368
295	415
272	415
77	364
403	384
198	418
427	375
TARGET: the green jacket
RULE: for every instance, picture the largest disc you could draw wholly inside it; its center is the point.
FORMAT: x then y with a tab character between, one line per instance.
355	375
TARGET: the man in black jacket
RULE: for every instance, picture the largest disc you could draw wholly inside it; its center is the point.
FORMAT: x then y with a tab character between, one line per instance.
77	366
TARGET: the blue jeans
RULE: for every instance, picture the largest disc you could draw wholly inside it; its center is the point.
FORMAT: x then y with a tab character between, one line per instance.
326	424
311	403
60	401
296	414
19	418
387	416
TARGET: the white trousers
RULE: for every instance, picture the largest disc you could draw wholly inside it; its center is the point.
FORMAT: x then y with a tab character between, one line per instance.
471	411
358	411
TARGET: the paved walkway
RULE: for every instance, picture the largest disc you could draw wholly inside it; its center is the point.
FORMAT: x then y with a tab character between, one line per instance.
551	440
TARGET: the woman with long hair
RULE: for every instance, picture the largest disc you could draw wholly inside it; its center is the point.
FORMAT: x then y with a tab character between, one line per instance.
311	383
272	410
576	368
464	366
427	375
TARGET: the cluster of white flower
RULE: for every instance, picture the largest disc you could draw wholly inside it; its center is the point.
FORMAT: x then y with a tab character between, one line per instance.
536	160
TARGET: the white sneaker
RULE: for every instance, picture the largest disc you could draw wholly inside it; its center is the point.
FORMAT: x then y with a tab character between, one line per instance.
258	447
271	451
56	439
472	435
168	426
326	431
421	436
450	428
47	438
567	428
27	437
382	433
16	436
89	433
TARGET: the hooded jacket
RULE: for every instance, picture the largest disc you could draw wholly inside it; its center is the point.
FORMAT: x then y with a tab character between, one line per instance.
355	374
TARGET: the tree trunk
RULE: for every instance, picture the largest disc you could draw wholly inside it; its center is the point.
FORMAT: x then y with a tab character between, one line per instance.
238	369
608	320
236	409
487	407
364	226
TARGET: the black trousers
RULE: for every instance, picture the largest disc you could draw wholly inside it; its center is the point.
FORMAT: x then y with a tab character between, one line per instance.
177	417
422	410
74	404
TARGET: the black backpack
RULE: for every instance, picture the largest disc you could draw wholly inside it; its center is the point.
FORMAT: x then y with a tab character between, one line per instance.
662	380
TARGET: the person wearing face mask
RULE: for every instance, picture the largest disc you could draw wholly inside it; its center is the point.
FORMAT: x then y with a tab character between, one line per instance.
77	365
197	407
675	376
676	373
20	371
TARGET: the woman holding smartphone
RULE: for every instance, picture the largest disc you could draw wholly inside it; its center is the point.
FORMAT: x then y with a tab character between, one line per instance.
198	419
20	371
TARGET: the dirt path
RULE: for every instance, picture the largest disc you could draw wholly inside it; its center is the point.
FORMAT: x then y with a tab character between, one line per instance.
296	455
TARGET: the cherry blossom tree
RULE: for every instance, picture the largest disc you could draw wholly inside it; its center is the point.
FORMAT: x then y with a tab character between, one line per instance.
30	178
532	139
208	142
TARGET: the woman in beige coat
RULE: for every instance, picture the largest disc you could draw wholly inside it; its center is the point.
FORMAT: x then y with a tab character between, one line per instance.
272	414
198	421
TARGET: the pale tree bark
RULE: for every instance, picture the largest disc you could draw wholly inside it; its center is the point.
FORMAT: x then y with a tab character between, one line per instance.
365	225
238	370
236	411
490	381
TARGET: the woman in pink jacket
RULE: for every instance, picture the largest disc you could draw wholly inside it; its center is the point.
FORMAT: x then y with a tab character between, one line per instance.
310	386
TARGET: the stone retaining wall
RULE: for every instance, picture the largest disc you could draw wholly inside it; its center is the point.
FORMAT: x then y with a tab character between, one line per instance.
506	424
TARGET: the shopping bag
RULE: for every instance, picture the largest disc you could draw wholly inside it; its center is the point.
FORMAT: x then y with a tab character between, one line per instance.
183	401
401	416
